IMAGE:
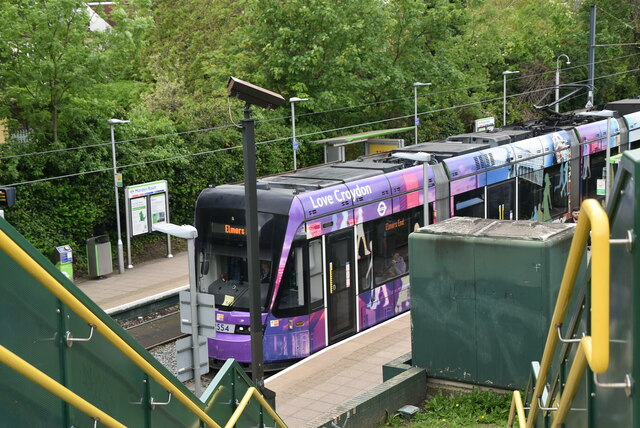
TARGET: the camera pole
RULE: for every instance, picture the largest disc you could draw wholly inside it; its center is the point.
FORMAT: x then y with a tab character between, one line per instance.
251	214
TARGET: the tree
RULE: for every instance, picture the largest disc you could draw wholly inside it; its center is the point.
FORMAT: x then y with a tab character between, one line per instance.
49	58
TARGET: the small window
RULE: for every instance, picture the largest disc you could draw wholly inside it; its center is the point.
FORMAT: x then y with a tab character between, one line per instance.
469	204
291	293
315	273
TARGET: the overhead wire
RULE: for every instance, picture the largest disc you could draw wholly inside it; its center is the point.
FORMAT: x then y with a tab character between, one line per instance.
302	135
618	19
215	128
428	94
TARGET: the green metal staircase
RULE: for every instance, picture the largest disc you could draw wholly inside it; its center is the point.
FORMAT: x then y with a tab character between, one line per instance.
64	362
591	357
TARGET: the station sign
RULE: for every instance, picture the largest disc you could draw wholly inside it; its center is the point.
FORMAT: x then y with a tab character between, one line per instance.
484	124
147	205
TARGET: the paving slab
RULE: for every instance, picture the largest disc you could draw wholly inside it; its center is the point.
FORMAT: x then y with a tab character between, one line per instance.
339	373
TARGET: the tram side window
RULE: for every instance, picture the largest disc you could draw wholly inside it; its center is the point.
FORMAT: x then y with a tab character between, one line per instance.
364	244
501	201
315	274
529	195
557	184
389	246
291	292
596	166
469	204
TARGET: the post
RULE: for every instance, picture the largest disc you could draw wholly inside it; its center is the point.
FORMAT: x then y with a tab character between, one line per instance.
504	99
251	217
557	86
294	143
416	120
607	179
558	79
189	233
504	95
115	186
193	291
592	56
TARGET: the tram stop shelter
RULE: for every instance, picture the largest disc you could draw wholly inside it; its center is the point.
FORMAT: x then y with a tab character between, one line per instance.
334	147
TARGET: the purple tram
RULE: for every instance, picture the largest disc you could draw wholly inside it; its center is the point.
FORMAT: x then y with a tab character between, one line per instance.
333	239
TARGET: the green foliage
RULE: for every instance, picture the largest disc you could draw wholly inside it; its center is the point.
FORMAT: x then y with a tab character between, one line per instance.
475	409
165	67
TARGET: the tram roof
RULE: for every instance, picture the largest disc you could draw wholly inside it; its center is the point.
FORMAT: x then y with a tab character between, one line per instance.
444	149
362	136
322	176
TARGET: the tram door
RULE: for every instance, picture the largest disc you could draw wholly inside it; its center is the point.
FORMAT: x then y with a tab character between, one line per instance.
501	200
341	288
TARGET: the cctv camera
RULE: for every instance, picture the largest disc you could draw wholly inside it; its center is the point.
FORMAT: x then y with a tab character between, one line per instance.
253	94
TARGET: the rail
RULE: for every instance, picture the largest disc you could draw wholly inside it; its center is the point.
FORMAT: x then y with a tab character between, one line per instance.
45	278
32	373
593	349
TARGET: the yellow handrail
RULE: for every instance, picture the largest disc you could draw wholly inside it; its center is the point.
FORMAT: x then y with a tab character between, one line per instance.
593	349
45	278
32	373
517	407
252	391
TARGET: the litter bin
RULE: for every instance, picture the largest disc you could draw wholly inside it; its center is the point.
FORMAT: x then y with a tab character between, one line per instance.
63	258
99	256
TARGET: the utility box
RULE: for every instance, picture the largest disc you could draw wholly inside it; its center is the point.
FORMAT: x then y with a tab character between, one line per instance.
99	256
63	259
483	293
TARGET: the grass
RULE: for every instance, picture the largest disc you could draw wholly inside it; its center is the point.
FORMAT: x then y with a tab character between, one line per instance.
478	409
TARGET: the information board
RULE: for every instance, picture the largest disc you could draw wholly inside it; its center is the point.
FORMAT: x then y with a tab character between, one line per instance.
147	205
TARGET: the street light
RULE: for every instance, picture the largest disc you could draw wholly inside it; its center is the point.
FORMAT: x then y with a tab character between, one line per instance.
416	121
294	142
425	158
112	123
558	79
504	95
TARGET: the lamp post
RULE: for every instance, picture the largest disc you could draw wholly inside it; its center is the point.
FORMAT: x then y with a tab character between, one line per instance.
416	121
504	94
112	123
558	79
294	142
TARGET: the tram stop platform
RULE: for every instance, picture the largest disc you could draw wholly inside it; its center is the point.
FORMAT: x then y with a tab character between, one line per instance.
145	282
306	392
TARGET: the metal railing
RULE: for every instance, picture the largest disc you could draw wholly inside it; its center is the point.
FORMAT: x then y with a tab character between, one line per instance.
14	251
593	349
253	392
53	285
32	373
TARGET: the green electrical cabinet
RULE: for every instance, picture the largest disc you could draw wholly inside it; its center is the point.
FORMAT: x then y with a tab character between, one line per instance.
483	293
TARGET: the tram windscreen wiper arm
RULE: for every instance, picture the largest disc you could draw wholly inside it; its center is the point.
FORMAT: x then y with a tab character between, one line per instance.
238	295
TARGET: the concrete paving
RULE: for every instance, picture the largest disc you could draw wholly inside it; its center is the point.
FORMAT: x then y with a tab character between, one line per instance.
145	281
304	391
339	373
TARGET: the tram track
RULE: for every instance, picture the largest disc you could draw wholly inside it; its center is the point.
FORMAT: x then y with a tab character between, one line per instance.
158	330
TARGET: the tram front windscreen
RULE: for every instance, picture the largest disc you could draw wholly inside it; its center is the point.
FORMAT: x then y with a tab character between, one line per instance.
224	267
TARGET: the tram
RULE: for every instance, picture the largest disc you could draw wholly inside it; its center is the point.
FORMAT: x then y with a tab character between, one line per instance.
333	239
